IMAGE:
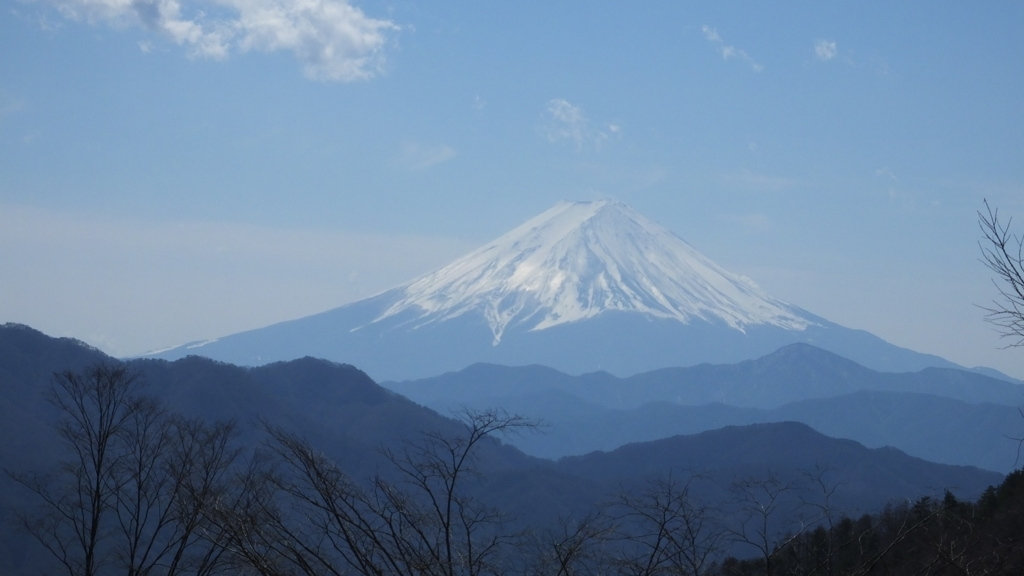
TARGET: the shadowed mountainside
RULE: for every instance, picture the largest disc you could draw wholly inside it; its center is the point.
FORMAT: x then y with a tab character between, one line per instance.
345	414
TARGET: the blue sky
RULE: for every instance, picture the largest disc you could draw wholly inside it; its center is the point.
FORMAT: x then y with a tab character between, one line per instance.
173	170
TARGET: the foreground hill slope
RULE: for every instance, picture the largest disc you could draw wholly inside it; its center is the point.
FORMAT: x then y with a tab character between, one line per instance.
347	416
582	287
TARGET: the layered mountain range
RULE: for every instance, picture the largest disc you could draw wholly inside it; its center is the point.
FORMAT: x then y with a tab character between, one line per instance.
582	287
348	417
587	317
939	414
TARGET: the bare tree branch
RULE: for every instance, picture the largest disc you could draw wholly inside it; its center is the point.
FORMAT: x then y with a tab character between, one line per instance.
306	516
1003	254
138	487
666	530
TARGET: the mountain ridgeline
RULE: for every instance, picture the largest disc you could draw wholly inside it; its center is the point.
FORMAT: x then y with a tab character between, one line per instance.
643	381
582	287
354	423
943	415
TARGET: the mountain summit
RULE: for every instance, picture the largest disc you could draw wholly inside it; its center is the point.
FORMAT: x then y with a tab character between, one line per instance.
578	260
582	287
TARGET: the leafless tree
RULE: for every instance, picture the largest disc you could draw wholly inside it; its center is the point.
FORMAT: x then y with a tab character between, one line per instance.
1003	253
135	493
454	531
77	499
304	515
666	530
572	547
829	541
198	467
767	518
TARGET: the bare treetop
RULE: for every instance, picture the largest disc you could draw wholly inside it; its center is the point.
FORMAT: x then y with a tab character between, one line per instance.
1003	253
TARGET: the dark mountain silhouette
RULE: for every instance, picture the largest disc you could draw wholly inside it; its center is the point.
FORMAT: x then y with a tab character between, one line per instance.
349	417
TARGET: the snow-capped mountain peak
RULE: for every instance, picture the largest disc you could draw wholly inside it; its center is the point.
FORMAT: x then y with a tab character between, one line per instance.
578	260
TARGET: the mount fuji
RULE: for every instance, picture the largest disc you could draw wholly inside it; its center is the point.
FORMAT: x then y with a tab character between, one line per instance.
582	287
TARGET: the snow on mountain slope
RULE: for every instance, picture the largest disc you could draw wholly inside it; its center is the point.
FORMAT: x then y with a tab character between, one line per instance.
580	259
582	287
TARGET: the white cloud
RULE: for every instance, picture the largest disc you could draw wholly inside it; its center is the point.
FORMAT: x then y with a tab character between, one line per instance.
418	156
568	122
333	40
825	50
728	52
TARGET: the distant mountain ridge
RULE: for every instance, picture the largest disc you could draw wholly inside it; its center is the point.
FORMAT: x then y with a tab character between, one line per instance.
347	416
582	287
792	373
744	449
943	415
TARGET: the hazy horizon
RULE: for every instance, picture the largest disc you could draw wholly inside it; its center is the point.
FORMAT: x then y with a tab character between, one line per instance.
203	168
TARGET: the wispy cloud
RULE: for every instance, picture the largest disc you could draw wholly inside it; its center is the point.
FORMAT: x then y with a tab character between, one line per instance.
333	40
759	182
566	122
728	51
417	156
825	50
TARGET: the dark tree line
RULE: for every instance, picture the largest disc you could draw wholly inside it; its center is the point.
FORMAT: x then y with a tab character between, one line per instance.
143	491
939	536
